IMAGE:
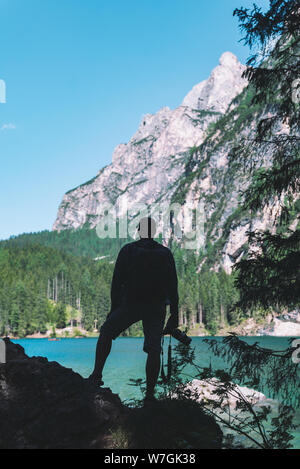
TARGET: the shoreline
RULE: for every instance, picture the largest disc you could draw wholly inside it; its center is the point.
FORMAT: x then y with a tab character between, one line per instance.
141	337
271	326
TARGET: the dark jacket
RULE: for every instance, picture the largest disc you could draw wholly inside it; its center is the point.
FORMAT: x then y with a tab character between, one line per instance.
122	271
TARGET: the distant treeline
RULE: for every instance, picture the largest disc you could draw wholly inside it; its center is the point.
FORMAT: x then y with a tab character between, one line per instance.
81	242
44	274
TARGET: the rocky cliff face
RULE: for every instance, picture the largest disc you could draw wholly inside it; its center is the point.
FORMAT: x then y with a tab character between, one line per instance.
181	156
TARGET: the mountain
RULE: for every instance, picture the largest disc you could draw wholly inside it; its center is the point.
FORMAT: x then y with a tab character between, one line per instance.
153	165
183	156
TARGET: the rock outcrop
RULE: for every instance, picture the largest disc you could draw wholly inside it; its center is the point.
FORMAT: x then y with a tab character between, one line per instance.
231	411
207	390
216	93
46	406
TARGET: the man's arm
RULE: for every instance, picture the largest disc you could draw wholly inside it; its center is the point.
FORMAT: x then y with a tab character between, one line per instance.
173	294
119	278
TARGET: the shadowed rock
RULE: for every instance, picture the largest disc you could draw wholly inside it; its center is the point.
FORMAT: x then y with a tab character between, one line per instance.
44	405
172	424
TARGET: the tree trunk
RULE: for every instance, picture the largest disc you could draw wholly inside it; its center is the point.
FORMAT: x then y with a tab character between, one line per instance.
222	316
200	314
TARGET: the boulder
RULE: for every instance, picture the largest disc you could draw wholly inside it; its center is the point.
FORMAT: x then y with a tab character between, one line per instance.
206	390
44	405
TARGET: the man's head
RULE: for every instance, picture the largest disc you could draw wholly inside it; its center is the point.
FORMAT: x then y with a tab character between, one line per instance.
147	228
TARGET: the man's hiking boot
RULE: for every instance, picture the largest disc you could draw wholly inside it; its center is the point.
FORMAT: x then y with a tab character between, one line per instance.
96	380
150	400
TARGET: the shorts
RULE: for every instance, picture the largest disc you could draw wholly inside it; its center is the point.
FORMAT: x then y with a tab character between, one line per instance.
153	318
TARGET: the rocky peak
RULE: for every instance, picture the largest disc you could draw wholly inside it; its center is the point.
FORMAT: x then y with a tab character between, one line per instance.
217	92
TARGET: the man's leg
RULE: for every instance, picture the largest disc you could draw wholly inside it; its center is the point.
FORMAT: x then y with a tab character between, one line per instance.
116	322
102	351
153	324
152	371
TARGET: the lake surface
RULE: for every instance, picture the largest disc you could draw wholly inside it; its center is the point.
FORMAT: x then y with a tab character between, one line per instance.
127	360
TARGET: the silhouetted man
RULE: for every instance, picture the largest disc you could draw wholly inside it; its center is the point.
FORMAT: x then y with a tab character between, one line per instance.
144	281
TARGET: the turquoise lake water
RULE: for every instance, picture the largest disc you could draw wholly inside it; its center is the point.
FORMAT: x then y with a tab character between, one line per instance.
127	359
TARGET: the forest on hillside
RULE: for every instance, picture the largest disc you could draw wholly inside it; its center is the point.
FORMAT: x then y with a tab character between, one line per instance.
47	278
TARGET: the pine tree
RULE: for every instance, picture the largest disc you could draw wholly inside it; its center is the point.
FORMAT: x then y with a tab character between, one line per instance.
14	319
40	314
61	316
271	273
21	332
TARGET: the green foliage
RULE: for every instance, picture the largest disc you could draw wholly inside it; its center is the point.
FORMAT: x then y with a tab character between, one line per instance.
261	368
271	274
60	313
81	242
31	275
149	138
248	365
207	293
77	333
53	333
34	266
228	128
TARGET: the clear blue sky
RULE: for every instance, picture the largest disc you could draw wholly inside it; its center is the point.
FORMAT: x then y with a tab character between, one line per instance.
80	74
